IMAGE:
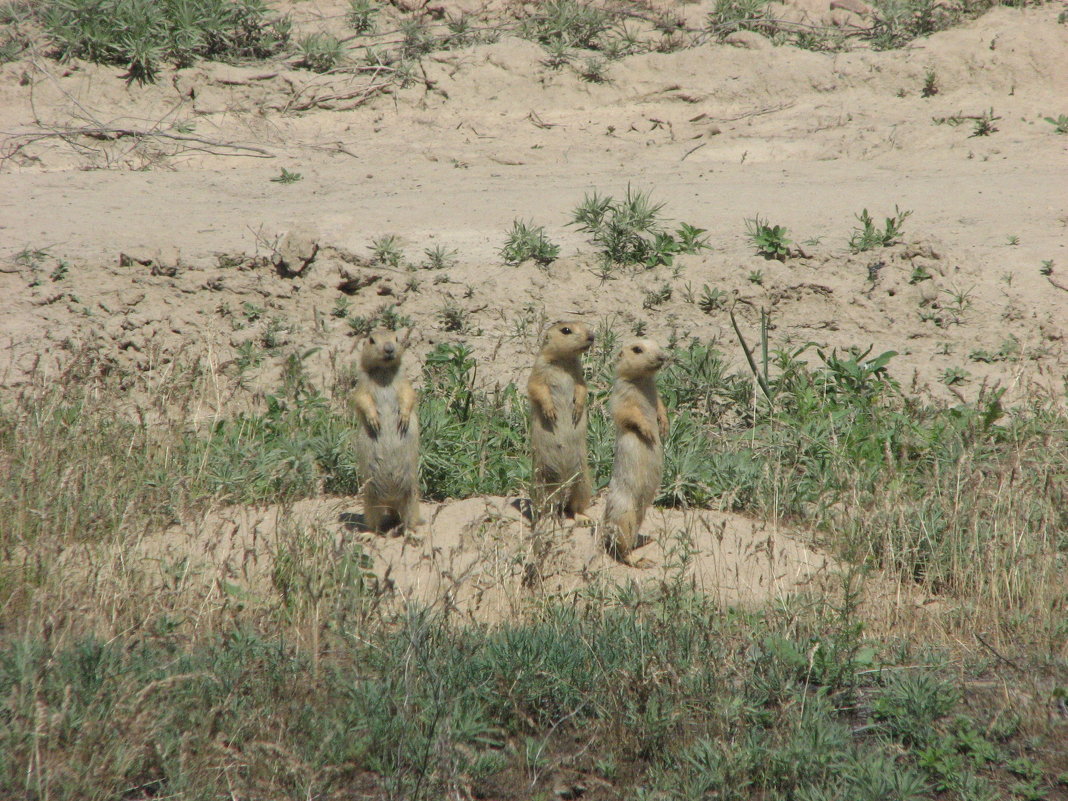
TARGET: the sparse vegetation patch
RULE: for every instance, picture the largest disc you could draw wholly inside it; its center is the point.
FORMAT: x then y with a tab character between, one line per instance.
143	35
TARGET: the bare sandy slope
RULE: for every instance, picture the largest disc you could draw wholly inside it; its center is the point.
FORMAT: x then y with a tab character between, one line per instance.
489	134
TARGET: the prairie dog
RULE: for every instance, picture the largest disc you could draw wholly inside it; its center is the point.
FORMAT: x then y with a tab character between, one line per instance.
557	391
387	440
641	425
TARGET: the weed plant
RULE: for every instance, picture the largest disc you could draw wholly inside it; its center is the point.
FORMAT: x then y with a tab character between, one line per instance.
568	22
320	52
868	236
526	242
361	16
770	241
629	232
1060	124
985	124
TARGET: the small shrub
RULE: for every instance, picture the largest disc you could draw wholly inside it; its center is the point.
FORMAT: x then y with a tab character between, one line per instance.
141	35
361	16
452	317
909	704
527	241
930	83
593	70
385	317
657	297
630	232
557	54
320	52
711	300
985	124
386	250
439	257
418	40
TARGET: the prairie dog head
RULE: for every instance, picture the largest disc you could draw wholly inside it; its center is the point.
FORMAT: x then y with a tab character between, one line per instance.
566	339
381	351
640	358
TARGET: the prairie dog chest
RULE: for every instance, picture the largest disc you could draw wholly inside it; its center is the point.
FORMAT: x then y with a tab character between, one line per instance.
562	388
640	400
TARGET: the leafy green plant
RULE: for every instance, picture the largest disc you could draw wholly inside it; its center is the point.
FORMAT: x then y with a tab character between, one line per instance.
440	257
361	16
287	177
452	317
919	274
17	20
558	54
341	308
930	83
770	241
897	22
657	297
576	24
909	704
868	236
729	16
527	241
711	299
593	70
386	250
320	52
385	317
952	376
417	39
1060	124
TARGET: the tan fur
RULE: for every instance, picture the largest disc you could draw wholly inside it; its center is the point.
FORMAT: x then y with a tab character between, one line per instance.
387	440
557	391
641	424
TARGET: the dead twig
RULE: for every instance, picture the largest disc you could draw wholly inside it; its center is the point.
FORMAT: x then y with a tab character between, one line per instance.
1061	287
108	133
692	149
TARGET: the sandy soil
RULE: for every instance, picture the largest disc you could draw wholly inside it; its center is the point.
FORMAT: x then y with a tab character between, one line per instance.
153	246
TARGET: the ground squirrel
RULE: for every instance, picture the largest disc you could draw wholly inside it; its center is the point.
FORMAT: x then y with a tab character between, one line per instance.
557	390
641	425
387	442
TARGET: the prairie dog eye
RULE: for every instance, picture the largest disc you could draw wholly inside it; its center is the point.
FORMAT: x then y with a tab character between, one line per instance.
565	330
370	340
637	349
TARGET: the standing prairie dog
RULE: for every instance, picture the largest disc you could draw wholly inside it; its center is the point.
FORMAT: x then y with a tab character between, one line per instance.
557	392
387	442
641	424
